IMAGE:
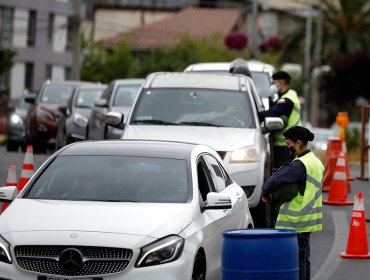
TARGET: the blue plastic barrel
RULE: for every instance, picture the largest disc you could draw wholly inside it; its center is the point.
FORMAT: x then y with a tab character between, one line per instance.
260	254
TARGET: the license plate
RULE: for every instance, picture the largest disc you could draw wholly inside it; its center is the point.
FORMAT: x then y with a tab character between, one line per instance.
65	278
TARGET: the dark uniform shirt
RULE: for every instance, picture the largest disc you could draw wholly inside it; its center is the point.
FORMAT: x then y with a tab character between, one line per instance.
283	106
294	172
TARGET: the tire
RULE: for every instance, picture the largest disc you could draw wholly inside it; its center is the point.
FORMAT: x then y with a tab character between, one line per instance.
199	269
12	146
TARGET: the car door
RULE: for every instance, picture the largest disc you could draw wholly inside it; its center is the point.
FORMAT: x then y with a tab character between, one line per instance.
96	125
213	222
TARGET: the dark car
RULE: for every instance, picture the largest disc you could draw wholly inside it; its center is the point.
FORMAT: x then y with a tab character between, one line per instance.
75	115
41	122
16	132
117	97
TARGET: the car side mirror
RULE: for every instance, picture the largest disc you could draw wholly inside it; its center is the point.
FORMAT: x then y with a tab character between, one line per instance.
273	124
217	201
114	119
30	98
63	109
8	193
101	103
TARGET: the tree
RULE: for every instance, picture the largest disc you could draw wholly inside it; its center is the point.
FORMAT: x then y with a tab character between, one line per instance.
6	59
346	27
104	66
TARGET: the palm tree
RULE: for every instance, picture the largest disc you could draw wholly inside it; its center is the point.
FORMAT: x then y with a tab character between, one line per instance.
346	25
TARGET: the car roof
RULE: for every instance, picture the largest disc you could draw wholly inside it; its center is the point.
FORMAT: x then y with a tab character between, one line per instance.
128	81
67	82
147	148
209	80
253	65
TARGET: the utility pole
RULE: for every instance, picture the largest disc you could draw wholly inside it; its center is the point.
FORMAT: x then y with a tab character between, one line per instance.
307	59
254	28
315	99
76	51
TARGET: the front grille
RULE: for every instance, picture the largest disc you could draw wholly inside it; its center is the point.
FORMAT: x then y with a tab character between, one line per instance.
93	260
222	154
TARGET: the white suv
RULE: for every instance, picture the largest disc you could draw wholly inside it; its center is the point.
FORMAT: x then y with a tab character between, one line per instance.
261	74
195	108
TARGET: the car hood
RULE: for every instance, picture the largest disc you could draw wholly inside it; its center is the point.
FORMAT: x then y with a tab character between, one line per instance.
145	219
218	138
86	112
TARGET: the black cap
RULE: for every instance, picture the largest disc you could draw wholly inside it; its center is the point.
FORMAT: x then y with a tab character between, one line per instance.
281	75
299	133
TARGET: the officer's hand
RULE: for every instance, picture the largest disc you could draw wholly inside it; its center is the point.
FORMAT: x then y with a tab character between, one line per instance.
266	199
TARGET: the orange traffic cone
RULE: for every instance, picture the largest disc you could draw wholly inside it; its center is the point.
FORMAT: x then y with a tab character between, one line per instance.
10	181
339	187
27	168
344	150
357	245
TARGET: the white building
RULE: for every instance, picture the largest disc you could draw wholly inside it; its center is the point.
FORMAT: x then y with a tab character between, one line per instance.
38	31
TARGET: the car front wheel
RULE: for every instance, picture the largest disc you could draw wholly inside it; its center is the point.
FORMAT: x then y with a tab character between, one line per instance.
199	269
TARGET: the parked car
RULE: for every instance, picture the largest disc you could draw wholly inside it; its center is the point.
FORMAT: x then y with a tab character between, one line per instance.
122	210
320	143
118	97
16	132
261	74
41	121
75	115
193	107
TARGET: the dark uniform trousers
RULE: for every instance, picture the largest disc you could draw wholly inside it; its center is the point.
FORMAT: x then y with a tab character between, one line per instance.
304	255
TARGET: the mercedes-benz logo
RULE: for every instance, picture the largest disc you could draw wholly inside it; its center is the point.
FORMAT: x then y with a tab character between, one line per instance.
71	260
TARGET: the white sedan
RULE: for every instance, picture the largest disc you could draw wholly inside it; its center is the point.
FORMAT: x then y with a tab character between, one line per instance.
122	210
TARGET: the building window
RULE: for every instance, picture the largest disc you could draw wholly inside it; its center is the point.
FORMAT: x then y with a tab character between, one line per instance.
68	73
49	68
6	26
31	29
28	80
70	33
51	30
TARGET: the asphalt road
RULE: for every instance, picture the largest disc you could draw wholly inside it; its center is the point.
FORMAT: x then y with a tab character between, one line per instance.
326	246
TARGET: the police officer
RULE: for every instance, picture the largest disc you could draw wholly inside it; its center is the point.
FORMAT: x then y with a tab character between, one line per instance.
302	211
287	106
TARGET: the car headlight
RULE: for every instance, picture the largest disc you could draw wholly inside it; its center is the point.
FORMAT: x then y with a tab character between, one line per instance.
5	251
167	249
80	120
15	119
41	113
245	155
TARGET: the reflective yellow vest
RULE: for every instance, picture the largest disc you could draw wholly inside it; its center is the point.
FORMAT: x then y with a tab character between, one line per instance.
293	120
304	212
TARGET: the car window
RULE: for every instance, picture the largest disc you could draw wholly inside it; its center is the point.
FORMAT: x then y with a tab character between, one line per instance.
56	94
194	107
87	97
216	173
205	183
262	81
113	178
125	95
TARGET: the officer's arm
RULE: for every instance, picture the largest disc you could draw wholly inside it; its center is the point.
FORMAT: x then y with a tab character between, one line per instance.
293	172
282	107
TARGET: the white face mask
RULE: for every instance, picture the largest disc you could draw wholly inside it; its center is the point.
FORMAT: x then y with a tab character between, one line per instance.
274	88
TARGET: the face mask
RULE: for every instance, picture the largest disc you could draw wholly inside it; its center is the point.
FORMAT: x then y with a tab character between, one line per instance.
273	88
291	151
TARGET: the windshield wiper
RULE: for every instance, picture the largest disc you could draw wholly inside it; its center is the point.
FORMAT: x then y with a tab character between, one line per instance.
155	122
201	124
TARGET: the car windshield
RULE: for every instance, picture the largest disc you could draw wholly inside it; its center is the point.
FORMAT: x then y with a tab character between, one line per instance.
87	97
262	81
195	107
126	94
113	179
56	94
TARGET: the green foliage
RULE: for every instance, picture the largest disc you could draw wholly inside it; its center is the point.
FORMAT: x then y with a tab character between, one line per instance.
353	139
6	59
105	66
